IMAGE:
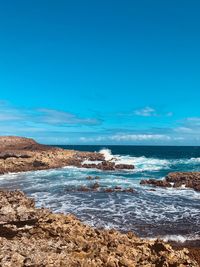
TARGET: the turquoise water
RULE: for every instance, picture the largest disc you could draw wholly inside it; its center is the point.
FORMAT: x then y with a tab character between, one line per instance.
167	213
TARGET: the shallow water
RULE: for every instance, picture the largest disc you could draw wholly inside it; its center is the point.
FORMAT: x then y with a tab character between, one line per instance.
173	214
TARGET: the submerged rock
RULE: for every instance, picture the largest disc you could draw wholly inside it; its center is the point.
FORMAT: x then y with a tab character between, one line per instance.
37	237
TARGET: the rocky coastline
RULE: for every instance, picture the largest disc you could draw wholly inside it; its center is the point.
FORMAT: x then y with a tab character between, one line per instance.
19	154
36	237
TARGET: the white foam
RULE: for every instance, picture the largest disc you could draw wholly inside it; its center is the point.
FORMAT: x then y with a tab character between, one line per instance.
107	153
179	238
141	163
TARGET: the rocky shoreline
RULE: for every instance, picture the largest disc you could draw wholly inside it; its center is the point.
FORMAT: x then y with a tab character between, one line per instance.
62	240
19	154
36	237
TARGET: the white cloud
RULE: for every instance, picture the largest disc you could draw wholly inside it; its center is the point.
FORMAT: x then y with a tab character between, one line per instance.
8	113
189	126
123	137
139	137
52	116
193	121
151	112
145	112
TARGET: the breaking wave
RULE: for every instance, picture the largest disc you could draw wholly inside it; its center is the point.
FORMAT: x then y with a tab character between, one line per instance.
143	163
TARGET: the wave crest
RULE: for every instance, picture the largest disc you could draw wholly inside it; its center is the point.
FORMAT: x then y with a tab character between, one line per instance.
143	163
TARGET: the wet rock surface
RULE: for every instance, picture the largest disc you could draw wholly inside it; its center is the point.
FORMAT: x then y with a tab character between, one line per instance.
108	166
176	180
24	154
37	237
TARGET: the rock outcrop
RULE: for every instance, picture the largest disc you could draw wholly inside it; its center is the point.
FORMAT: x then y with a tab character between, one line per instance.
108	166
39	238
176	180
23	154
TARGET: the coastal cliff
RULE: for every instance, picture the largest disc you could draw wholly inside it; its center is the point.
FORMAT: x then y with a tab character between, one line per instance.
36	237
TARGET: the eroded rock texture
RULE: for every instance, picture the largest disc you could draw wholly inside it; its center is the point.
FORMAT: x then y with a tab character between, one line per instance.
177	179
37	237
23	154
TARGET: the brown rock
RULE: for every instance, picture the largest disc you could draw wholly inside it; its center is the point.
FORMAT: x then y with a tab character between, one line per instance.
176	180
124	167
62	240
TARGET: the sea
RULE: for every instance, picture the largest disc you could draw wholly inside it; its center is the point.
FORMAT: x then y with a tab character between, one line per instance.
170	214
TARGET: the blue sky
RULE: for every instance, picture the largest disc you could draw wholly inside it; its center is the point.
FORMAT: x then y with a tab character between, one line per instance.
101	72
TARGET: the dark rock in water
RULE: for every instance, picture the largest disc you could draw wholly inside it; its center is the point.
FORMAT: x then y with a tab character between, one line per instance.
117	187
130	190
177	180
154	182
95	186
187	179
84	188
106	166
124	167
37	237
92	177
89	178
109	190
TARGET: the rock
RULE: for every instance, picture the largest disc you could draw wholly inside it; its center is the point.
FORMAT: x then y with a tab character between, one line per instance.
117	187
95	186
6	155
37	163
129	190
106	166
89	165
62	240
83	188
24	154
155	182
109	190
187	179
124	167
89	178
177	180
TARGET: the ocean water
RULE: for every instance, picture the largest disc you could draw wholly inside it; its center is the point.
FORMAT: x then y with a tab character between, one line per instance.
171	214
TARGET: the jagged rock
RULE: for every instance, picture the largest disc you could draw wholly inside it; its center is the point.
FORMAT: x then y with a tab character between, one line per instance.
176	180
154	182
124	167
62	240
24	154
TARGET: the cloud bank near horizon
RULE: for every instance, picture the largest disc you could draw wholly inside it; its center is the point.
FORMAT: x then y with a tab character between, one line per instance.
64	127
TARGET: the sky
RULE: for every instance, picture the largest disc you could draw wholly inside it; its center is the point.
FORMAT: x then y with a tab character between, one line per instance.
101	72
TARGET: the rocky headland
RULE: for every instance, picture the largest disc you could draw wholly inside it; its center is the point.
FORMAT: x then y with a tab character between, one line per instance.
36	237
19	154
